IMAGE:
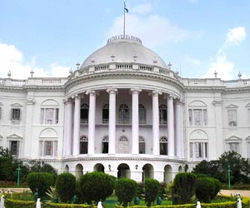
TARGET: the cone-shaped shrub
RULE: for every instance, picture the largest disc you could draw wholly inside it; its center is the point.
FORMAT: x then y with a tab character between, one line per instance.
65	187
125	190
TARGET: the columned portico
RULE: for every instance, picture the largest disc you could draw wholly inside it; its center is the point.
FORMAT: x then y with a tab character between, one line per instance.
76	125
135	120
112	120
91	127
155	124
171	144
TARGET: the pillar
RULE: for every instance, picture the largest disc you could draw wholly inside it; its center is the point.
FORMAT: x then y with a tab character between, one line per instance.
76	135
170	126
91	134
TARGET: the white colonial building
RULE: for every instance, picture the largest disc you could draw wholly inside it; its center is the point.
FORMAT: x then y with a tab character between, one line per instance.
124	112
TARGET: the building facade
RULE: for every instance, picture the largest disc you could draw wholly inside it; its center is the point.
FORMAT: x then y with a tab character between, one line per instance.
123	111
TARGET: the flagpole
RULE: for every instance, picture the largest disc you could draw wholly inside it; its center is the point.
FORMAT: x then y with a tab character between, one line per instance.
124	21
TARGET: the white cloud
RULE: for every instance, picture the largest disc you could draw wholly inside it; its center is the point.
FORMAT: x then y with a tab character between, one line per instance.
194	1
222	66
236	35
153	30
11	59
142	9
193	61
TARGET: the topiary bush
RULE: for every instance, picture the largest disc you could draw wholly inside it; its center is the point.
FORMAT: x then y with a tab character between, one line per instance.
183	188
205	186
40	182
151	190
125	190
65	187
96	186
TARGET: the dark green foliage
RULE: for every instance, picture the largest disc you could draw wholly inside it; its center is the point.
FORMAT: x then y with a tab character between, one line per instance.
96	186
184	188
162	190
217	187
151	190
65	187
125	190
40	182
239	168
205	186
140	190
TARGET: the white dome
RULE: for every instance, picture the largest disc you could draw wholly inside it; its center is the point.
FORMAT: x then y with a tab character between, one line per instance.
120	49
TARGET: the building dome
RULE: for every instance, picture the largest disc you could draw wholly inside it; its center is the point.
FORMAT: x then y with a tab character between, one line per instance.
120	49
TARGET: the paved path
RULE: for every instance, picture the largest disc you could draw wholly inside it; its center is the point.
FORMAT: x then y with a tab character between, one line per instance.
243	193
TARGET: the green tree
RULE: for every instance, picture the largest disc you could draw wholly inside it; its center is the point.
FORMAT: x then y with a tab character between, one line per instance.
184	188
96	186
152	187
125	190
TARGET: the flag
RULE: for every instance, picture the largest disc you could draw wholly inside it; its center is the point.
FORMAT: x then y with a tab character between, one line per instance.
125	8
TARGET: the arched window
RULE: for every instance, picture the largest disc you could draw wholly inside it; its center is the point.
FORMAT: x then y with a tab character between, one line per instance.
123	144
84	145
105	144
142	114
84	113
141	145
105	113
123	114
163	145
163	111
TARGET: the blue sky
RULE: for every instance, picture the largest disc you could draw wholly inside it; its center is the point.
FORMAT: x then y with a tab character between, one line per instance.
196	36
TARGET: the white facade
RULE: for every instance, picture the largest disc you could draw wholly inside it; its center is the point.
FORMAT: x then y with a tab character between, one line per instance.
124	112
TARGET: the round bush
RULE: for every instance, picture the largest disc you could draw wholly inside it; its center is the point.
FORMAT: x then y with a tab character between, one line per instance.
96	186
65	187
125	190
152	187
205	186
40	182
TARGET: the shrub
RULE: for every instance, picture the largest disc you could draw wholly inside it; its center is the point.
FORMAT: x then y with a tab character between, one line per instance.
40	182
162	190
140	190
65	187
205	186
125	190
96	186
151	190
217	187
184	188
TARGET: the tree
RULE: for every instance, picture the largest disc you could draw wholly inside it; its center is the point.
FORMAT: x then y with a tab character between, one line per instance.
96	186
151	190
125	190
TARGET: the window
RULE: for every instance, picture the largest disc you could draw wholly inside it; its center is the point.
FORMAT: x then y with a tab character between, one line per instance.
198	150
163	146
105	144
232	117
14	148
123	114
142	114
234	146
84	113
142	148
163	111
83	145
197	117
123	144
49	115
105	113
48	148
15	115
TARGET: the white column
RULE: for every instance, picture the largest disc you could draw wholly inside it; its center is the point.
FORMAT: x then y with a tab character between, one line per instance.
68	128
76	139
135	120
91	134
155	122
170	126
178	130
112	120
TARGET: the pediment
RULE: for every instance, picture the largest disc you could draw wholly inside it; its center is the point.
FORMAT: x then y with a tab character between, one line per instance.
198	135
16	105
197	103
232	106
48	133
50	102
14	136
233	138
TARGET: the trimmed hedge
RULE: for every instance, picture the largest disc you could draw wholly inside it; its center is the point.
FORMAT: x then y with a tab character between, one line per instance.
9	203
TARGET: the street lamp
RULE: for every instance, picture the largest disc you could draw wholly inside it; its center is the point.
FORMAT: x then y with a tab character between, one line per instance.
229	174
18	175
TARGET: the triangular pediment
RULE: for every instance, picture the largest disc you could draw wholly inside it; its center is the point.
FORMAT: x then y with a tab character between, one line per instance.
14	136
16	105
232	106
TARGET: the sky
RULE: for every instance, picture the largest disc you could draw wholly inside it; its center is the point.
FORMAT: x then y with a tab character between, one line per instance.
198	37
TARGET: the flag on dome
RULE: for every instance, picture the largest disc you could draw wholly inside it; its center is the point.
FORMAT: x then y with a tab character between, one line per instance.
125	7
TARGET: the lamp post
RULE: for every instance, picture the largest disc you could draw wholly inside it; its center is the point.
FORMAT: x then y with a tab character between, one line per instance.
18	175
229	174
